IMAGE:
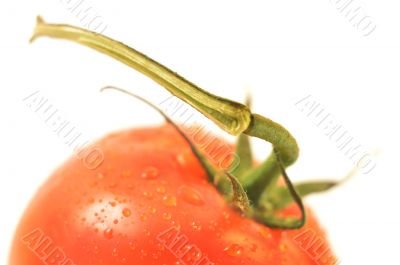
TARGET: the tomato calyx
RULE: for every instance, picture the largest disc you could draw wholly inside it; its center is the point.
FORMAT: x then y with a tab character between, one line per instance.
254	191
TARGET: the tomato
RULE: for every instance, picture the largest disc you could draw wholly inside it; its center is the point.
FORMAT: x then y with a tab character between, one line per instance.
150	202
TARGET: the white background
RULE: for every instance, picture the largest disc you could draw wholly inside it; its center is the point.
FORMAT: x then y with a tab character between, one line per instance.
280	52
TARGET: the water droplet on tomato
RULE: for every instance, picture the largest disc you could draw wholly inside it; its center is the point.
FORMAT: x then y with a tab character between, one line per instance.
167	216
143	217
190	195
108	233
193	255
150	173
148	195
126	212
115	252
132	245
282	247
161	189
147	232
234	250
226	215
181	159
196	226
96	249
143	253
265	233
169	201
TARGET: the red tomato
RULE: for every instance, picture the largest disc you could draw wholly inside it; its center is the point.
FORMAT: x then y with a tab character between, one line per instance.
149	202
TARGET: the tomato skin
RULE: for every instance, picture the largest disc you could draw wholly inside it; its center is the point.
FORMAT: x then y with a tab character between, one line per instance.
149	191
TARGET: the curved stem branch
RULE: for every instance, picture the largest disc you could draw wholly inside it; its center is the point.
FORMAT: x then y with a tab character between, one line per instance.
211	172
266	175
232	117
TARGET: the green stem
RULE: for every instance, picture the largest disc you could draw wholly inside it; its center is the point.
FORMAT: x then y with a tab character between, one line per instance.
262	178
233	117
266	175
